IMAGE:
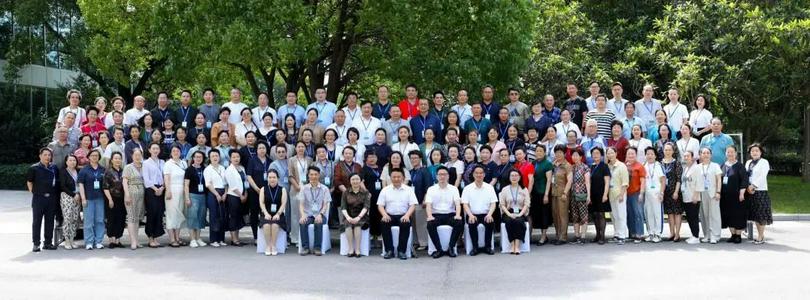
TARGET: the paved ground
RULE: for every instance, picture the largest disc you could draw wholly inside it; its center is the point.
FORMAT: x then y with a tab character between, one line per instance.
777	270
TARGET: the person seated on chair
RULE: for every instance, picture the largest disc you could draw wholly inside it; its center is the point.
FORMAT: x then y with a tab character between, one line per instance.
354	205
479	200
443	207
313	207
515	201
396	205
272	200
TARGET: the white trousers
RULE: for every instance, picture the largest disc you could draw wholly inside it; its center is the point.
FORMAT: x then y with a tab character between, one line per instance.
653	212
710	216
618	214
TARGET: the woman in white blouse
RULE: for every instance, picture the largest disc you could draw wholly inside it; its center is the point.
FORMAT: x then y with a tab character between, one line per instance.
236	180
244	126
701	118
687	142
706	189
550	141
298	165
174	173
214	175
405	145
395	161
757	191
637	139
353	136
454	164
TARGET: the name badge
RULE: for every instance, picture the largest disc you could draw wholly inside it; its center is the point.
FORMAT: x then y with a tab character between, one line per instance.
725	179
247	184
273	208
53	182
553	179
486	116
511	158
515	210
423	133
377	185
498	186
95	143
327	180
200	188
462	184
207	124
184	124
96	185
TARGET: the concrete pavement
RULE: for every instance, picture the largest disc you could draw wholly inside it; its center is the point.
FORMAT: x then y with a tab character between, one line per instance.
776	270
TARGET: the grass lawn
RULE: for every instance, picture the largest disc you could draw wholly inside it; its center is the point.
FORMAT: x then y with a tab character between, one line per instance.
789	194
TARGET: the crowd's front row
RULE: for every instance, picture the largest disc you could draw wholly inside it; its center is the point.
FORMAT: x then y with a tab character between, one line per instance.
191	195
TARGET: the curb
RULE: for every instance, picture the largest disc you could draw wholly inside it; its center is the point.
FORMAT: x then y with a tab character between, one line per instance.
791	217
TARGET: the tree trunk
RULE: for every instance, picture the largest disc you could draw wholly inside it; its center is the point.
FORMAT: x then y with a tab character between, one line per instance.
806	134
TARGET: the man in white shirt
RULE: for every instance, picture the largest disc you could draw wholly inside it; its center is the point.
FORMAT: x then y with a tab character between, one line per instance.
593	89
263	108
647	106
565	126
463	109
393	124
340	127
351	108
236	106
366	124
137	111
74	98
479	200
677	113
396	205
443	207
616	105
291	107
326	110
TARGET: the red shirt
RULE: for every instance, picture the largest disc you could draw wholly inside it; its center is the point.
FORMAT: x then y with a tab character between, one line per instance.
569	151
526	170
93	130
408	110
621	147
636	172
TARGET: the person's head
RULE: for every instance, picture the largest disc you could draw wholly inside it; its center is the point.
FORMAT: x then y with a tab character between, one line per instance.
503	114
591	127
430	136
616	129
281	137
300	148
442	175
478	174
596	154
565	115
486	153
382	92
321	153
246	114
755	150
236	95
355	181
630	109
701	101
551	134
181	134
135	132
452	118
313	174
663	132
366	108
45	155
348	154
235	157
404	134
208	95
116	159
263	99
224	114
267	120
139	102
630	155
306	136
487	92
513	94
291	97
381	136
531	133
650	155
397	176
74	97
416	158
686	131
476	109
616	90
94	156
511	132
70	119
214	156
636	132
312	116
647	91
281	152
168	124
503	156
571	137
224	138
520	154
61	133
571	89
351	99
395	112
185	97
462	96
103	138
731	153
673	95
705	155
330	136
611	154
340	117
472	137
537	109
320	94
594	88
452	152
452	135
71	161
395	160
200	139
492	134
540	153
157	136
411	92
175	152
717	126
118	117
352	134
576	155
370	157
92	114
688	157
514	177
669	150
438	98
272	178
436	156
289	121
469	155
548	101
424	106
660	116
85	141
601	101
101	104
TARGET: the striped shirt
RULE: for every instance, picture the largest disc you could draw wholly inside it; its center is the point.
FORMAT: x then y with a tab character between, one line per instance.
603	120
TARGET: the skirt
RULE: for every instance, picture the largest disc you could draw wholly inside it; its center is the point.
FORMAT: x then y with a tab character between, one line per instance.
579	212
116	217
70	215
599	206
135	210
281	222
175	219
760	207
733	213
195	214
540	212
672	206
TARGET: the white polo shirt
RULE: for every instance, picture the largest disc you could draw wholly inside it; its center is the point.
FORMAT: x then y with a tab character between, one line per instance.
479	199
397	201
442	200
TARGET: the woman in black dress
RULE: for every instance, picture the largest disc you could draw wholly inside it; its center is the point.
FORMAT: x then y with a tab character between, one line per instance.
758	200
114	192
733	210
600	176
273	202
673	206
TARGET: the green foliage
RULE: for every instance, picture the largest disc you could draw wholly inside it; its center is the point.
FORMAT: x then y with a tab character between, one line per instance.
12	177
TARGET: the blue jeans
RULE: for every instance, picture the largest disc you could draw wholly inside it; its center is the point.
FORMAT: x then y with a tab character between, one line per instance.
94	222
305	234
635	215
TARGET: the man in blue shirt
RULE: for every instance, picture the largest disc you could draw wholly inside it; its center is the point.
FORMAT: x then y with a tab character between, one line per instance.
478	123
291	107
490	107
42	180
717	142
326	110
382	109
424	121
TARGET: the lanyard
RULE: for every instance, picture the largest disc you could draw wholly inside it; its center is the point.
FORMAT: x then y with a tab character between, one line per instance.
383	109
487	107
163	114
514	192
185	112
353	114
461	113
503	128
365	126
326	167
330	154
650	107
439	113
669	117
618	105
313	194
309	150
423	120
274	192
199	174
477	124
650	174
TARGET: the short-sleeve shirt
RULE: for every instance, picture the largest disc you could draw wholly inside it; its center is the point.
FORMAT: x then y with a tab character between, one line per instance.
442	200
559	178
636	171
89	177
654	172
195	177
577	107
618	178
479	198
315	198
397	200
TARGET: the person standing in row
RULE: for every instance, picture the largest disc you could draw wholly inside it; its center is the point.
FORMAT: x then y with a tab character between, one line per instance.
443	207
581	192
757	191
153	197
540	214
209	108
717	142
733	209
237	183
194	190
382	109
600	181
617	195
70	200
298	178
576	106
134	196
114	194
691	203
90	180
185	113
561	182
653	196
215	184
706	181
673	207
636	186
42	179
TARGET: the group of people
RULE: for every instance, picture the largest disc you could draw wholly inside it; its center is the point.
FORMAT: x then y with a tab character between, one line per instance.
416	165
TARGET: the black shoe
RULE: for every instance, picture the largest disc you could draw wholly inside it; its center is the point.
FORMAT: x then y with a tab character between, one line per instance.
413	253
49	247
473	252
490	251
452	253
402	255
388	255
35	249
350	255
437	254
738	239
731	239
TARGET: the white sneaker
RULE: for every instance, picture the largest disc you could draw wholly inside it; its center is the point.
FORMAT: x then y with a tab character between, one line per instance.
693	241
648	238
267	253
99	246
712	241
88	247
193	244
656	239
201	243
215	244
704	240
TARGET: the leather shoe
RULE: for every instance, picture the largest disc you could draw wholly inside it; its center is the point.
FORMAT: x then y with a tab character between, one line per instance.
473	252
437	254
490	251
388	255
452	253
402	256
49	247
35	249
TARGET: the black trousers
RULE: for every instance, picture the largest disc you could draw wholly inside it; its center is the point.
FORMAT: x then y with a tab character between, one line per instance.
444	219
693	217
487	230
515	228
253	210
116	217
233	213
43	206
155	208
404	230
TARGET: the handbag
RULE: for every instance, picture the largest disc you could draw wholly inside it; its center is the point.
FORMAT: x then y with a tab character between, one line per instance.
580	197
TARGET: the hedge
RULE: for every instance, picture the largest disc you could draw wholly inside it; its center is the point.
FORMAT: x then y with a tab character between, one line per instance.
12	177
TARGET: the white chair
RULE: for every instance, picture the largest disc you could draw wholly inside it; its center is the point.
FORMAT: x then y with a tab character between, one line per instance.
395	241
281	242
326	241
506	247
468	244
364	243
444	231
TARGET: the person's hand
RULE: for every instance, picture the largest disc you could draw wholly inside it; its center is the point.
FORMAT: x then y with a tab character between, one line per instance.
111	203
84	203
303	220
318	219
168	196
545	199
386	219
457	217
488	219
188	202
430	218
742	197
564	196
588	202
268	217
243	198
128	201
604	199
717	196
751	189
661	197
342	188
404	219
276	218
675	196
472	219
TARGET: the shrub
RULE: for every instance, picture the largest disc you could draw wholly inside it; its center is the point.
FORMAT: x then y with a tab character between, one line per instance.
12	177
